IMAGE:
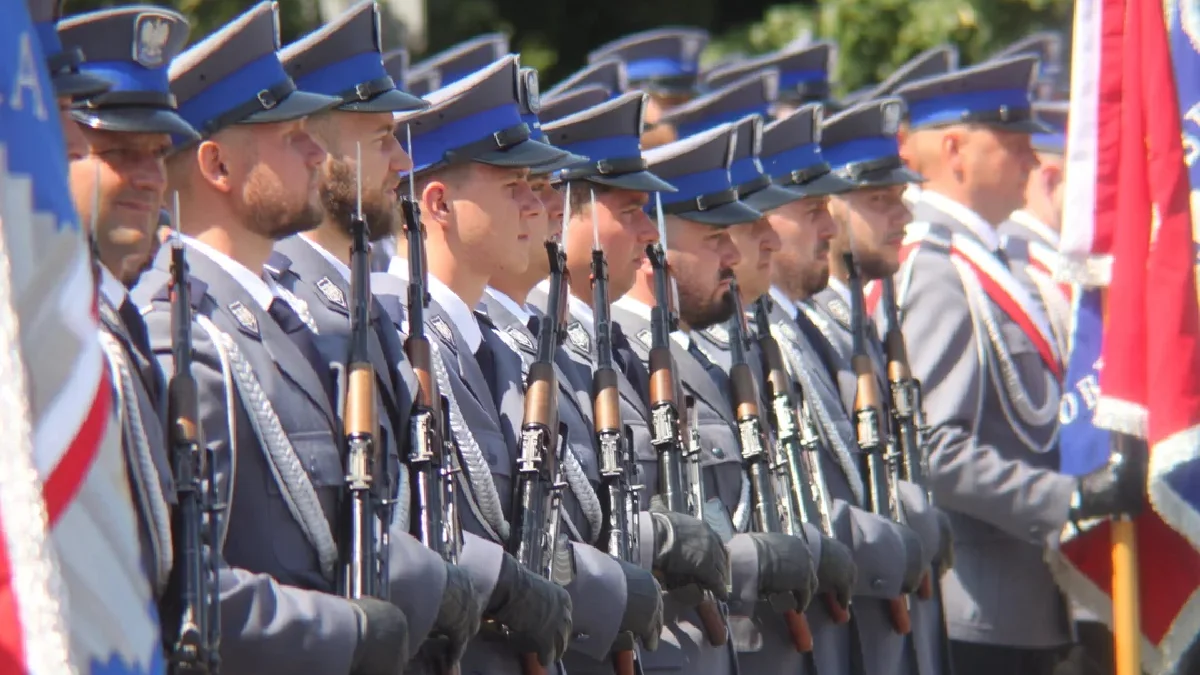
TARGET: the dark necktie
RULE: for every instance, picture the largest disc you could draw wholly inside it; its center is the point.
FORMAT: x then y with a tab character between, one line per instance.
135	327
298	333
1002	256
819	343
715	372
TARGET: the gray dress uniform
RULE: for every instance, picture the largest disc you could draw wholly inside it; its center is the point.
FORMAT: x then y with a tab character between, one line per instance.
991	395
488	101
120	39
418	575
597	587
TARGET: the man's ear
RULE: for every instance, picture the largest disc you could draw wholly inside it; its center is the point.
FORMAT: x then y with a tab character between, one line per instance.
435	203
951	145
1051	176
213	164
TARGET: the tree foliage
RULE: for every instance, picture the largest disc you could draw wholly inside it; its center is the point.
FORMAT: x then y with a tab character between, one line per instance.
874	36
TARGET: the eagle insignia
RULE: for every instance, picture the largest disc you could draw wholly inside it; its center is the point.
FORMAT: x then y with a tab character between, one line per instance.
332	292
245	317
151	32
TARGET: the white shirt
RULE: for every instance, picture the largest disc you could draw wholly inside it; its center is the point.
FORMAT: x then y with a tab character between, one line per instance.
460	314
971	220
259	286
340	266
784	302
1032	223
114	291
520	311
682	338
840	287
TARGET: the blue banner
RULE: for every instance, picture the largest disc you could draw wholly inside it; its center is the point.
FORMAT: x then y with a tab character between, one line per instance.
1084	448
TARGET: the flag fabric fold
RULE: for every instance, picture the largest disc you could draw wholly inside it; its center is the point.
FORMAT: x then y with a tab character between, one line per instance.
1132	246
73	595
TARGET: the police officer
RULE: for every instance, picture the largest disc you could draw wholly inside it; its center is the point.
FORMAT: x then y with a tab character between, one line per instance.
887	555
701	255
471	156
69	81
859	144
1031	233
665	63
117	185
992	458
455	63
608	195
266	412
803	75
608	596
343	60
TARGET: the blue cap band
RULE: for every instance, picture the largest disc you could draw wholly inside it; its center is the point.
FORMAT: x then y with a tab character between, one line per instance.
861	150
661	66
697	184
431	148
800	157
745	170
129	76
336	78
693	127
242	85
952	108
611	147
47	34
535	126
793	78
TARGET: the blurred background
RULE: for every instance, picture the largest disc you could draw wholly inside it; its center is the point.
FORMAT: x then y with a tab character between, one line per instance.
555	36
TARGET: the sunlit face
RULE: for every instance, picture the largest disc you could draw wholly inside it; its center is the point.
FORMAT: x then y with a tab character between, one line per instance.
805	228
543	227
993	166
757	243
72	134
118	184
275	169
871	226
623	229
493	215
344	135
702	259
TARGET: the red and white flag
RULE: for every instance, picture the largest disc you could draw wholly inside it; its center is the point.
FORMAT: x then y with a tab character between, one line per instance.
1128	231
73	595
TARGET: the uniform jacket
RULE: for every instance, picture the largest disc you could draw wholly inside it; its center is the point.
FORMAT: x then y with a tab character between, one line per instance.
1032	250
991	401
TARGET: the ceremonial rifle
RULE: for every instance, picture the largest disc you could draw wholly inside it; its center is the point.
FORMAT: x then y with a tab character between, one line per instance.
537	508
618	464
871	433
682	493
432	455
362	560
196	648
798	463
756	460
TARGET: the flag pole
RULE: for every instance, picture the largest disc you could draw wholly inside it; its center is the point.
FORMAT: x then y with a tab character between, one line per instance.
1126	598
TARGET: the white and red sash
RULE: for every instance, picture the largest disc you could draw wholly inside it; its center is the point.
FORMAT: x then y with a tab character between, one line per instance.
997	281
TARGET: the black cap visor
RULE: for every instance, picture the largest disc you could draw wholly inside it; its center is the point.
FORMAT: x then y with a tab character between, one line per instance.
294	106
725	215
391	100
570	159
527	153
769	198
136	120
901	175
638	181
78	85
820	184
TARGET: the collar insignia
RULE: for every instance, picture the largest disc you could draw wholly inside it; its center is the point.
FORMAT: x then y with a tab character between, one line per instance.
331	292
645	337
245	317
719	334
579	338
442	329
520	337
839	311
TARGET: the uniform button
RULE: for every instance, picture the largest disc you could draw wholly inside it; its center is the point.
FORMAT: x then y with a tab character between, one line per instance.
718	453
580	637
877	583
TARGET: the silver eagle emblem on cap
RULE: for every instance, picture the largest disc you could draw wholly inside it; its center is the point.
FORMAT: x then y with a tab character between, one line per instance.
891	118
151	32
531	90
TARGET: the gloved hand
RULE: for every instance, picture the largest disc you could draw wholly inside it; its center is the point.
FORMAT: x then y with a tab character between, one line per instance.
382	638
688	551
914	568
643	605
945	556
458	617
836	571
784	566
535	610
1117	488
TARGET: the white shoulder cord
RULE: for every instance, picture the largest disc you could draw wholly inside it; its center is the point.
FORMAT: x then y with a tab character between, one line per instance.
842	453
133	430
297	489
486	505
